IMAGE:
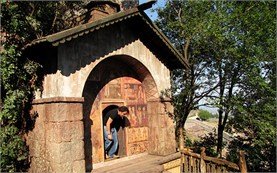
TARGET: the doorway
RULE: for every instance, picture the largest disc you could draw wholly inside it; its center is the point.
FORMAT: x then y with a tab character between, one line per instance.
121	152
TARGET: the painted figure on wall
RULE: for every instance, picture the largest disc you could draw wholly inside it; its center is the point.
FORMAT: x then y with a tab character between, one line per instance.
133	117
113	89
130	92
139	114
144	118
141	95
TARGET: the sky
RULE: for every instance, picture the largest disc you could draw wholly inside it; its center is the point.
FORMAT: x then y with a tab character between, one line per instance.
149	12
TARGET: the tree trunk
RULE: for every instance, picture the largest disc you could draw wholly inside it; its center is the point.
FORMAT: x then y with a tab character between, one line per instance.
220	139
181	138
181	147
220	111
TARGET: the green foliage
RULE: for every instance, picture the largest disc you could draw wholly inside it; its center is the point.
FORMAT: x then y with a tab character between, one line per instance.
209	142
29	20
22	22
185	28
204	115
14	153
254	122
188	142
231	49
254	110
15	82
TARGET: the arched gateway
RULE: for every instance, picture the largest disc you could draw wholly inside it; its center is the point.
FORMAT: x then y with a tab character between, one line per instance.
121	59
126	82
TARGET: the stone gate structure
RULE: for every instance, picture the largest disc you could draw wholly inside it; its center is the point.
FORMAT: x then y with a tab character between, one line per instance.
110	59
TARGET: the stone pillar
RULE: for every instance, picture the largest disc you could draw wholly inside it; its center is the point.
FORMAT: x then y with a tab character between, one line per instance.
56	142
161	128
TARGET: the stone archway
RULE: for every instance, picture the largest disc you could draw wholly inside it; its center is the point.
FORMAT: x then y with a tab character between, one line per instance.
118	80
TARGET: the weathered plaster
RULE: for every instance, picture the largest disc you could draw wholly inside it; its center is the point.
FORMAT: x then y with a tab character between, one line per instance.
77	58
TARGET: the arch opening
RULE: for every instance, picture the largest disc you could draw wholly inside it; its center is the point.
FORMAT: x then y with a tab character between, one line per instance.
117	81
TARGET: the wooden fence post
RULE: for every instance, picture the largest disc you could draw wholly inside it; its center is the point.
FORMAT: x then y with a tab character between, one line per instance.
181	147
182	162
242	162
202	161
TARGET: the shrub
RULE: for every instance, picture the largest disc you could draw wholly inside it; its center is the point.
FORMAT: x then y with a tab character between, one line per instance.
204	115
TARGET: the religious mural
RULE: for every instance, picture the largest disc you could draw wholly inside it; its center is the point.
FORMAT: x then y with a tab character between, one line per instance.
122	91
137	139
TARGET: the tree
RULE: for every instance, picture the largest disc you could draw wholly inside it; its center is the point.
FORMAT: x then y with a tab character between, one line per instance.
249	44
194	28
232	39
204	115
254	112
254	123
23	22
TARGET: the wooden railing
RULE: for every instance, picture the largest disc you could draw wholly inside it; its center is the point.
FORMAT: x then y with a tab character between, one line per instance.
200	163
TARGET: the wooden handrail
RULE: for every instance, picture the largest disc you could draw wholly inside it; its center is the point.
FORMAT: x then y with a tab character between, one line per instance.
203	160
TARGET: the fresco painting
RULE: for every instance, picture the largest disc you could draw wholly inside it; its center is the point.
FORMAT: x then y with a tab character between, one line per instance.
126	91
113	89
137	148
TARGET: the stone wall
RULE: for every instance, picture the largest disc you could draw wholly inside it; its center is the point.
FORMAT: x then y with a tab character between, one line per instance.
56	143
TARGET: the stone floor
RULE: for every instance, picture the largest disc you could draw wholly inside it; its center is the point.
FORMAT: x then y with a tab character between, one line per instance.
142	163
